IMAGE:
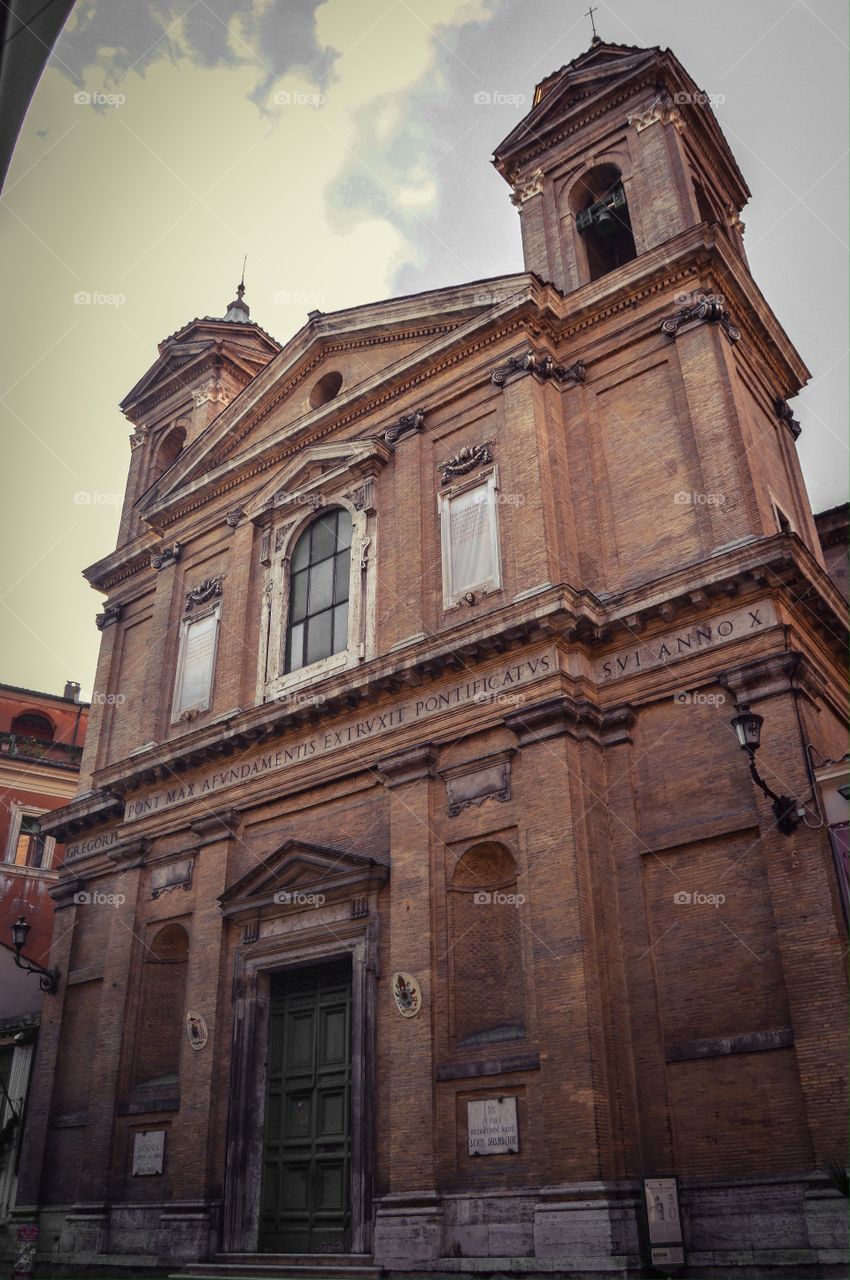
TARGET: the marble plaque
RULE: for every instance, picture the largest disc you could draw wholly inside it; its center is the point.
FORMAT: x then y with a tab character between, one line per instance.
194	683
662	1211
492	1127
148	1152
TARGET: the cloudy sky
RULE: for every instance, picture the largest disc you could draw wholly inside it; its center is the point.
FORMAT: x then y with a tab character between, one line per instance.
344	147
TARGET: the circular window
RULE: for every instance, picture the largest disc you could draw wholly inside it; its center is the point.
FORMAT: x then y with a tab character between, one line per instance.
325	389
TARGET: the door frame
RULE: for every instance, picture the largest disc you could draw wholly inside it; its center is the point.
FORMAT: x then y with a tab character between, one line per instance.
296	947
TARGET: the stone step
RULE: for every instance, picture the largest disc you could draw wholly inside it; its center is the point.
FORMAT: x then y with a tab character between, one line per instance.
282	1266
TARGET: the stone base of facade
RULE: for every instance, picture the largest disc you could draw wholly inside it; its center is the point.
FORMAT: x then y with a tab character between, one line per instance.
754	1228
123	1238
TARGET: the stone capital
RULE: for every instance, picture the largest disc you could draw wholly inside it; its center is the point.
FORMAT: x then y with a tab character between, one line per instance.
216	826
408	766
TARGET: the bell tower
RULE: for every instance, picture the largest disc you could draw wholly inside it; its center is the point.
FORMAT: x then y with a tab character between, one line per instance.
620	153
629	200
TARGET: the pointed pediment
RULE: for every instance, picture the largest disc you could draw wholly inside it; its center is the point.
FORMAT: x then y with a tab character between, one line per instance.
573	89
298	873
246	347
371	347
317	472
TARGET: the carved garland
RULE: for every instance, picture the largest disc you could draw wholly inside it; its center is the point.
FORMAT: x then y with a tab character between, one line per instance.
206	590
470	457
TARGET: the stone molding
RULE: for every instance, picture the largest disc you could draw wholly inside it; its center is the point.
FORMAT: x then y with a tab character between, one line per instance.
408	766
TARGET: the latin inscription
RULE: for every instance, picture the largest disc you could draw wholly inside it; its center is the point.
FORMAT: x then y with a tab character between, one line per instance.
148	1153
479	690
683	644
492	1127
81	847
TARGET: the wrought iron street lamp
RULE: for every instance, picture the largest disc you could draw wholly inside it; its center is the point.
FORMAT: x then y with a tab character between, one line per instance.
747	725
48	979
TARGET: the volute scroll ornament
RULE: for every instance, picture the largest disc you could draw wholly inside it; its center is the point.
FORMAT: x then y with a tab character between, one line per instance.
166	556
706	310
543	366
406	424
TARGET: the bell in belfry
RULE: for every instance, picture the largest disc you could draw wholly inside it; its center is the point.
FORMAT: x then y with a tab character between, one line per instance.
606	222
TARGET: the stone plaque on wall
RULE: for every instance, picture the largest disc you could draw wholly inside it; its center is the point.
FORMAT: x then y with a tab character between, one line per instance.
196	664
492	1127
664	1221
148	1152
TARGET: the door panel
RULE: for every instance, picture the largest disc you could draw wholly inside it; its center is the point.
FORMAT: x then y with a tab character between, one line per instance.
305	1205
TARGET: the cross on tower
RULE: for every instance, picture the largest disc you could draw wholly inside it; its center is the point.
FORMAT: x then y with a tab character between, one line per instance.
593	9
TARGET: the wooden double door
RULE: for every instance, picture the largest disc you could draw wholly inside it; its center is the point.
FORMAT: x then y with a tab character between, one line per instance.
306	1185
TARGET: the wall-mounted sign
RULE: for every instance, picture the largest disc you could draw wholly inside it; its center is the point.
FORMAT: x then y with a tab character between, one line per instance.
148	1152
407	994
492	1127
664	1221
197	1030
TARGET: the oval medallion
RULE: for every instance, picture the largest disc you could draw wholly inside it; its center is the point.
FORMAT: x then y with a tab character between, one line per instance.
196	1030
407	995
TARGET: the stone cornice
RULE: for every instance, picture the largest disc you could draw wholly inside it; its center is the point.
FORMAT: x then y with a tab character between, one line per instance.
778	564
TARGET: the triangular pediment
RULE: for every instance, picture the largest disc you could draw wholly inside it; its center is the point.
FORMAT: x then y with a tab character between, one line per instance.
371	347
317	470
303	870
574	90
246	347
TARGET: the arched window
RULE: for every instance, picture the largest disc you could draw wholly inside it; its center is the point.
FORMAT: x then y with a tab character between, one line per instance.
602	219
161	1009
319	590
706	211
485	947
32	725
169	450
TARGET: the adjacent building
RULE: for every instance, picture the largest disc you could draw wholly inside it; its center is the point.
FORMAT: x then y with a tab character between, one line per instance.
41	744
420	903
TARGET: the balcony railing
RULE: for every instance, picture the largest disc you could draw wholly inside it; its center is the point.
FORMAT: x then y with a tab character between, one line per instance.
60	755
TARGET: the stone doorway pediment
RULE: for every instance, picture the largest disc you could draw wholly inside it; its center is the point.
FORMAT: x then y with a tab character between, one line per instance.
304	870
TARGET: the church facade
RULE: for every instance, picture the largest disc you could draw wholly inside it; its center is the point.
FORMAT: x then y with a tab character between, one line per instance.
421	909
